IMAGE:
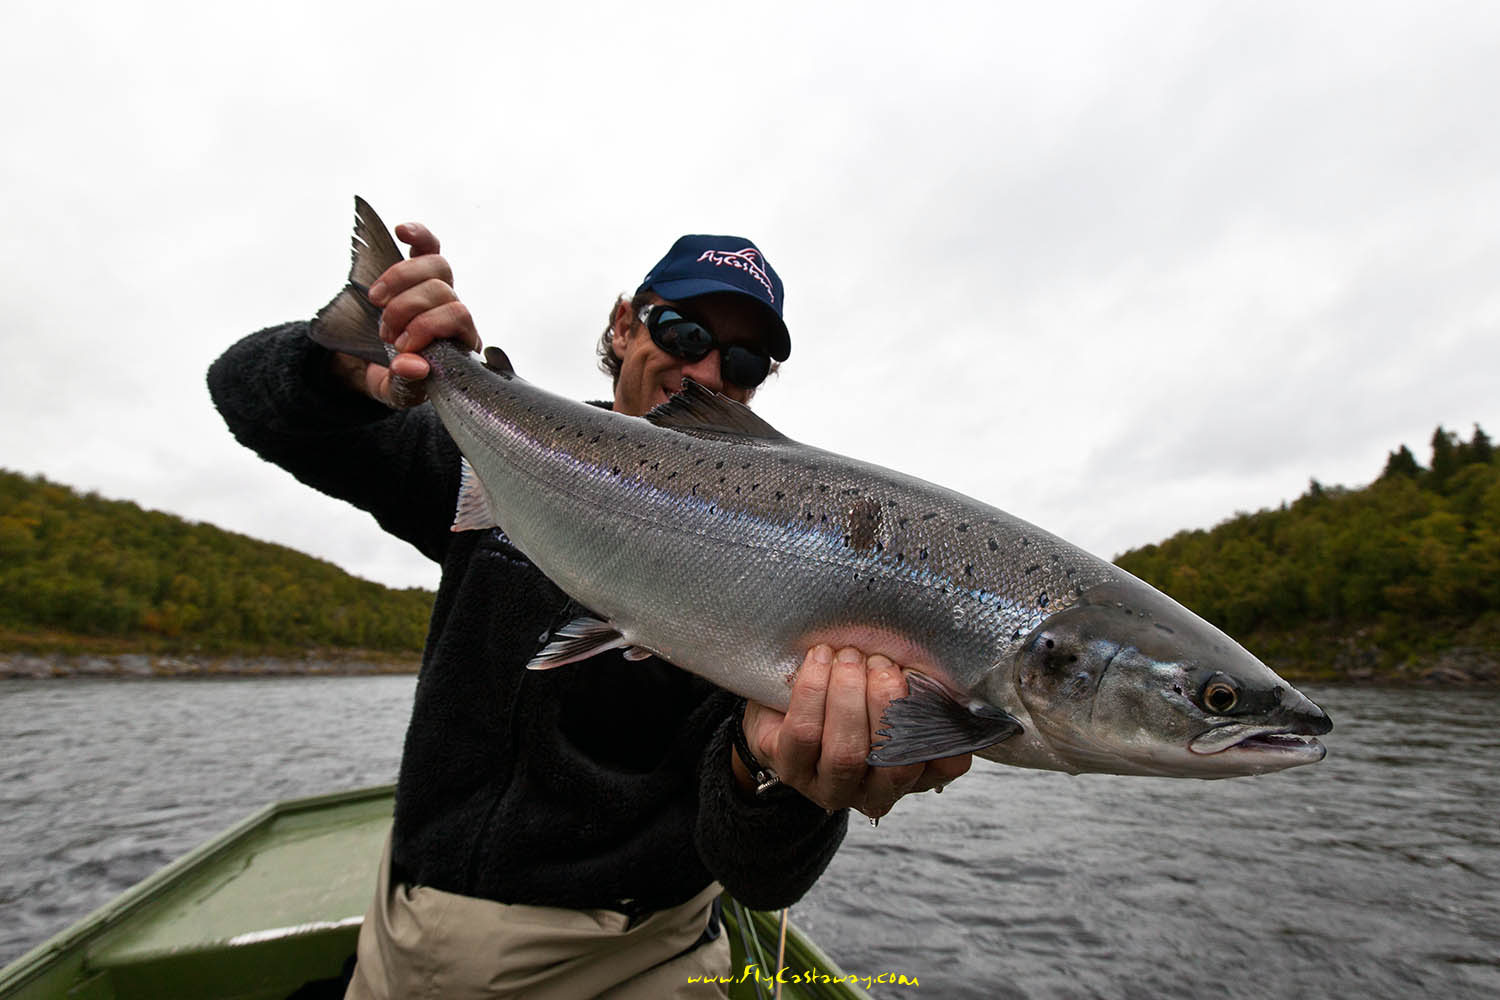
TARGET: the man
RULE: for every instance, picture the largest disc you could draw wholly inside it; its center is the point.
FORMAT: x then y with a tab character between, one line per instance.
565	833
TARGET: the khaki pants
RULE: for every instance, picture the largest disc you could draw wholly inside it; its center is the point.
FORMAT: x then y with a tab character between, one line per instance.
423	943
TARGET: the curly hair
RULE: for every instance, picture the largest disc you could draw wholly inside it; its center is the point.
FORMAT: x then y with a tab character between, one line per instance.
609	362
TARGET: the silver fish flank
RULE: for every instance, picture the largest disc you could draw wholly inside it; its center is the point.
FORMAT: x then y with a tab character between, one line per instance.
702	535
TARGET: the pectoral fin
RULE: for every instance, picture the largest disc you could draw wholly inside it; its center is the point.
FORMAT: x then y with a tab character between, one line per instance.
930	723
582	638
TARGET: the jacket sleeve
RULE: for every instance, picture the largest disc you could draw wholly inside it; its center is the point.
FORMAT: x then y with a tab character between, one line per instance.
769	850
277	392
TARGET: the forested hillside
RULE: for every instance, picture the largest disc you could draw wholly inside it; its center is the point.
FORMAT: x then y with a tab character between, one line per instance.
1395	579
79	565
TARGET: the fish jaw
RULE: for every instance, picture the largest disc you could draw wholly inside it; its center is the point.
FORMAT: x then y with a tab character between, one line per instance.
1127	681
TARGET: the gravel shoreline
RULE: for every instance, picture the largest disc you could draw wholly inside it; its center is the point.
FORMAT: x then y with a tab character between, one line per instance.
47	665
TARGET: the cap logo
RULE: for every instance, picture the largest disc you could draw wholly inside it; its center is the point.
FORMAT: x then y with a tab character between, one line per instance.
747	260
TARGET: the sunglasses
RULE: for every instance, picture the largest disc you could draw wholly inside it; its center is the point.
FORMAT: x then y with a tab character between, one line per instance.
690	340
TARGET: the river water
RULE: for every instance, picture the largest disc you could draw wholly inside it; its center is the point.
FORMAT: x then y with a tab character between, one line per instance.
1374	874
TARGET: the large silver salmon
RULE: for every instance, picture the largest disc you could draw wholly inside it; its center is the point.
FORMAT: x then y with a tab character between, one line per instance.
704	536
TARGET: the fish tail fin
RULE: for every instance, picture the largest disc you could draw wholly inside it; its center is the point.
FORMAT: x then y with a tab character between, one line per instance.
350	323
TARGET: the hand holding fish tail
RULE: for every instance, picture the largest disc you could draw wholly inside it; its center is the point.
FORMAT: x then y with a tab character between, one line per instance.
419	306
820	745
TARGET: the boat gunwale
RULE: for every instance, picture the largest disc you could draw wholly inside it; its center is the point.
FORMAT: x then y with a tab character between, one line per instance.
114	914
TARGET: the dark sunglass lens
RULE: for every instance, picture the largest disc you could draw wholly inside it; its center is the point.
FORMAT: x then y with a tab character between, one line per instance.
681	337
744	367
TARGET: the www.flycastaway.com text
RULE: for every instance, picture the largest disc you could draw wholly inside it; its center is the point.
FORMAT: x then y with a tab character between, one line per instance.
786	976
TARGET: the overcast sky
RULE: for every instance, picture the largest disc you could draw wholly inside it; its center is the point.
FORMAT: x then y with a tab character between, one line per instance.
1120	269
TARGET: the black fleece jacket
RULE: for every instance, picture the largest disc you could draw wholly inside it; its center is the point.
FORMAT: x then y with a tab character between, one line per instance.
599	784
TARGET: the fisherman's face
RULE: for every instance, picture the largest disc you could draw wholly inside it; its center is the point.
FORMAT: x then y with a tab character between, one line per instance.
649	375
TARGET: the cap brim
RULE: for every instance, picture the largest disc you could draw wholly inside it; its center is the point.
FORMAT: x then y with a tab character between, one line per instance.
688	288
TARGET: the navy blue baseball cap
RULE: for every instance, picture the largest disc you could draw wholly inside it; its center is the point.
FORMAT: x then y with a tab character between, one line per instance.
698	265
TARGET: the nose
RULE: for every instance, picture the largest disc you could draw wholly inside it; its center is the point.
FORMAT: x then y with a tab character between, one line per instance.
706	371
1305	717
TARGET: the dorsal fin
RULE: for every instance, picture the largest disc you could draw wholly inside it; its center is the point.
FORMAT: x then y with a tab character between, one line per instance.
705	413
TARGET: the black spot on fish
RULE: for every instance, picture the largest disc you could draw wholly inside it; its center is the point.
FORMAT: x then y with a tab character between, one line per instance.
1032	569
780	495
922	554
1041	599
968	569
594	439
994	546
864	523
900	522
901	557
617	470
718	465
822	487
963	526
1170	632
929	517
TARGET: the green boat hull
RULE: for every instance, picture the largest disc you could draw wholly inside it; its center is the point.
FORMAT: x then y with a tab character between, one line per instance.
271	910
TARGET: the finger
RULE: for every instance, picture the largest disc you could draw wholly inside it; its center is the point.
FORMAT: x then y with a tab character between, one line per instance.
761	723
404	308
884	785
394	389
938	773
799	740
409	366
422	240
451	320
406	274
846	731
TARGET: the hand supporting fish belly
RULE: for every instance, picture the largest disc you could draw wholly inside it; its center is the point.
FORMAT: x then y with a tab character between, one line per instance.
820	744
702	535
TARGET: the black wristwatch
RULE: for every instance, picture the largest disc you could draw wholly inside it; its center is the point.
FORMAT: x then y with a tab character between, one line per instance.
765	779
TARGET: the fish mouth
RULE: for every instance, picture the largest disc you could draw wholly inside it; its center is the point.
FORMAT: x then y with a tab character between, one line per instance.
1273	741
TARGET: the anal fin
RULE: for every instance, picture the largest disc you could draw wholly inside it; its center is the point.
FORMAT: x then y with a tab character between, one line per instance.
930	723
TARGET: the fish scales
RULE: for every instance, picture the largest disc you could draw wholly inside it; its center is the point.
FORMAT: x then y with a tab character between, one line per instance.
822	546
703	535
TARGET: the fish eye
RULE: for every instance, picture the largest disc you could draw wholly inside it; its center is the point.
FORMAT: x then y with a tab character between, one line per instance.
1219	696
